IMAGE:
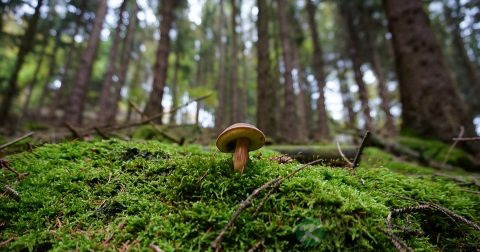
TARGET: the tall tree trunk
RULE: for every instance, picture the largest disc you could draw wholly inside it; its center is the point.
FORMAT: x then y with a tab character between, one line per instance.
459	45
76	103
154	104
303	130
266	93
235	92
289	127
113	66
220	112
125	62
431	107
33	82
25	47
52	67
174	88
347	99
354	53
59	95
318	65
379	73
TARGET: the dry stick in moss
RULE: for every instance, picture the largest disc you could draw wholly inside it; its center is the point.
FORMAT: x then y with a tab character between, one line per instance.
11	193
29	134
397	242
343	155
4	164
256	246
460	135
5	243
101	133
155	248
244	204
466	139
279	183
356	161
74	131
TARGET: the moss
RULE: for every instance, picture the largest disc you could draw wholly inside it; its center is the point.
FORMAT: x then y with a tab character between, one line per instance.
437	150
79	194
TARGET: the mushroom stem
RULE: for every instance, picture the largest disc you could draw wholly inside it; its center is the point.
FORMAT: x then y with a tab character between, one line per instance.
240	157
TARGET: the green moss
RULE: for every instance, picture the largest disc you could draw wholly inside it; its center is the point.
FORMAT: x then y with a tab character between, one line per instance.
145	192
437	150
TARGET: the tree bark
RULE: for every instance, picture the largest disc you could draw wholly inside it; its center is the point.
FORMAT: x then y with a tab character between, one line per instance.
25	48
105	101
303	130
266	92
221	85
174	88
431	107
347	99
235	91
52	67
154	104
76	103
289	127
318	65
33	82
125	62
60	94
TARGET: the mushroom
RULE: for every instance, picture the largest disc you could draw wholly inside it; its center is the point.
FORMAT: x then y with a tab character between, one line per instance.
240	138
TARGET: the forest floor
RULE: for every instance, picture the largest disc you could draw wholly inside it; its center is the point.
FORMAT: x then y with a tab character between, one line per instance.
143	194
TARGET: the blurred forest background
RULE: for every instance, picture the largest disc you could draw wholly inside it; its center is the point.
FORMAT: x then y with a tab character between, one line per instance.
302	71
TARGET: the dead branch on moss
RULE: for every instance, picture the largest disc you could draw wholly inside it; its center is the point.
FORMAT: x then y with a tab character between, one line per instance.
458	179
6	242
101	133
11	193
466	139
356	161
279	183
460	135
155	248
256	246
343	155
73	130
244	204
29	134
4	164
399	244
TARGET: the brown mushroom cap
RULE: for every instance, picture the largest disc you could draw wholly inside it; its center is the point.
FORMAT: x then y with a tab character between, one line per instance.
226	140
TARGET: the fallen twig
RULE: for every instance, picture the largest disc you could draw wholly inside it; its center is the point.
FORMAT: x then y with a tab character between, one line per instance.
256	246
466	139
155	248
74	131
356	161
101	133
216	243
460	135
4	164
29	134
343	155
6	242
399	244
11	193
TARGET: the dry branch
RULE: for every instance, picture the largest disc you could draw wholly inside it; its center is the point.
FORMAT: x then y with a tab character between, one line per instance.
155	248
343	155
466	139
460	135
400	245
356	161
29	134
256	246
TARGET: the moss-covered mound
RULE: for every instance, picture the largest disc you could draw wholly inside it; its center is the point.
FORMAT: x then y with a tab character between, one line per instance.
108	195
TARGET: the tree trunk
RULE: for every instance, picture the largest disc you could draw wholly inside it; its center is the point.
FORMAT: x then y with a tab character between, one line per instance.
289	127
431	107
154	104
347	99
235	91
318	65
354	53
174	88
125	62
52	67
221	85
379	73
33	82
25	48
303	131
459	45
266	118
76	103
59	95
113	66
